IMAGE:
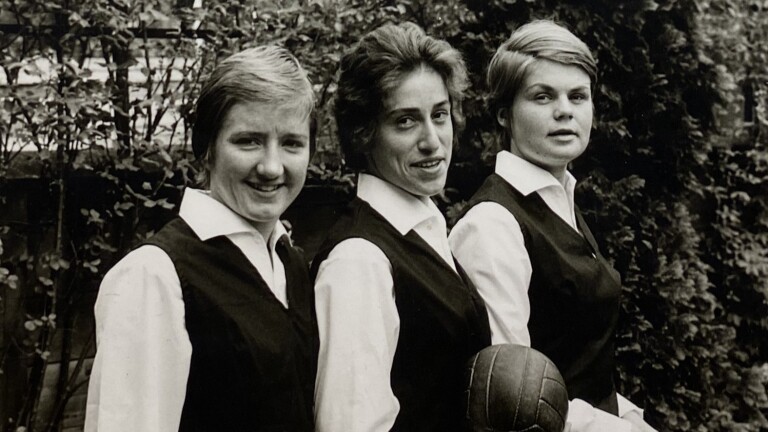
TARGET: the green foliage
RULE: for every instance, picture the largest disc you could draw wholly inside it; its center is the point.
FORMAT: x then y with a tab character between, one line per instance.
104	132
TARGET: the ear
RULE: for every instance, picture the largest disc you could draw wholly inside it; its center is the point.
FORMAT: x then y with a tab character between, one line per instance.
501	117
208	158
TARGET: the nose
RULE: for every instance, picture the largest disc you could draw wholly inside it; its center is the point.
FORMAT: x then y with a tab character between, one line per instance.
429	141
270	164
563	108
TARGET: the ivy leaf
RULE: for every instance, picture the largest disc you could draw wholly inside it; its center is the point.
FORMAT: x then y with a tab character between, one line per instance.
93	266
165	156
165	204
12	281
650	5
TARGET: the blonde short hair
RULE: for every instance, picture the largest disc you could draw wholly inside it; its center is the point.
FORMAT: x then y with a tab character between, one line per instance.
266	74
530	43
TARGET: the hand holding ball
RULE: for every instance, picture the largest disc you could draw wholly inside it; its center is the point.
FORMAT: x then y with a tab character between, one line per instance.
514	388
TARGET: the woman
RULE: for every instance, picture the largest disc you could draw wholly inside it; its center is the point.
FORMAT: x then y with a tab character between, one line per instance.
210	325
397	317
524	243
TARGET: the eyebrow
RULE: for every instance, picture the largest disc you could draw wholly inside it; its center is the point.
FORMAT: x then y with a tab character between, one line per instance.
413	110
303	137
248	134
244	134
549	87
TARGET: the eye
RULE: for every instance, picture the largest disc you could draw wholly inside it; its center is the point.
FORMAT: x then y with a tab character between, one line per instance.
405	122
542	97
250	141
294	144
579	97
441	116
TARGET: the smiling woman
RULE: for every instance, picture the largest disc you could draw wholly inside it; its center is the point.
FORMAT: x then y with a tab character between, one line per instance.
210	324
260	161
397	318
415	135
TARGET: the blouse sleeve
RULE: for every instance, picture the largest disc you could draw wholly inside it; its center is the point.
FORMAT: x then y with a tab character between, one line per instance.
139	375
583	417
489	245
359	327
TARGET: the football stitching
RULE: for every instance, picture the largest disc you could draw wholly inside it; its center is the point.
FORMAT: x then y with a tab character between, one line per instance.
471	380
488	386
520	392
541	394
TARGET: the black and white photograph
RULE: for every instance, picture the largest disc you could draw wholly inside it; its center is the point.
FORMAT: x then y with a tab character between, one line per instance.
383	215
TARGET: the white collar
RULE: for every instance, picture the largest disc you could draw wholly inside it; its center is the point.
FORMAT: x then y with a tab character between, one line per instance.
401	209
210	218
527	177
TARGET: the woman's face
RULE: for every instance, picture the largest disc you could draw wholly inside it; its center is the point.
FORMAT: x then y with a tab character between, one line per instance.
550	119
260	162
413	144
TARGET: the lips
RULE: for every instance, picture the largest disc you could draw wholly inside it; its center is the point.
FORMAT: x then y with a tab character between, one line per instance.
428	163
563	132
266	188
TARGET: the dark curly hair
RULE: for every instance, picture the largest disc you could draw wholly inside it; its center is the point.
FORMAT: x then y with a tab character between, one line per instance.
374	67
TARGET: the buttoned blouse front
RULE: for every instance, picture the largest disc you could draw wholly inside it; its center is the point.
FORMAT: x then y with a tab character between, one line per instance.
357	316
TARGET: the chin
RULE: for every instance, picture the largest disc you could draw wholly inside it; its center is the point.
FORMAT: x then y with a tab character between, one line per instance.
261	216
427	192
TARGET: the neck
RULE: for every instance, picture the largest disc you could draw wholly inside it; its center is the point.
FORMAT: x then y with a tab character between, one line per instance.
265	229
422	198
559	174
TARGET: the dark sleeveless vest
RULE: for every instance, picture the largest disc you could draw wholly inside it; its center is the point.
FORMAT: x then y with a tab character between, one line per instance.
574	294
253	361
443	321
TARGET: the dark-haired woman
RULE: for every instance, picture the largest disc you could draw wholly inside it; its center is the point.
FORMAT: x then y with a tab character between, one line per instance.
397	317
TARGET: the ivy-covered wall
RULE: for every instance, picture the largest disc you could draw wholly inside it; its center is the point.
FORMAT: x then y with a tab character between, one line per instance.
94	151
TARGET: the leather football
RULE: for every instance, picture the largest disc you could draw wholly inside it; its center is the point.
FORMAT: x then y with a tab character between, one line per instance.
513	388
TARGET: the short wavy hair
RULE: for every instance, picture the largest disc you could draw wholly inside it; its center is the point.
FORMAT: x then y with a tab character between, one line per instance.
538	40
374	67
266	74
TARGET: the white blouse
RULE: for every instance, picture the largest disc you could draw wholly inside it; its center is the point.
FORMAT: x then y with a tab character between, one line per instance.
357	316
